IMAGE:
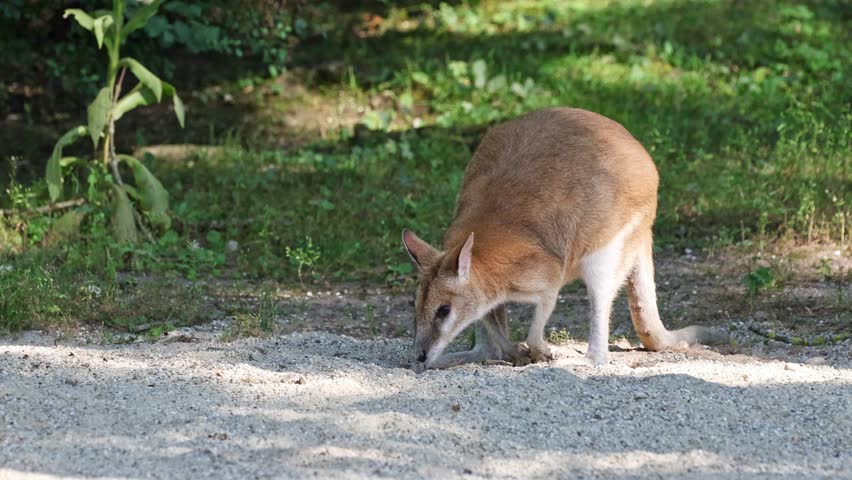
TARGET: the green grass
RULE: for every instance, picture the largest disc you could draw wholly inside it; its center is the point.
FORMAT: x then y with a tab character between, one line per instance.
743	105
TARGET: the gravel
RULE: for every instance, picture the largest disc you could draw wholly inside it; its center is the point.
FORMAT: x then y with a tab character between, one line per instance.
330	406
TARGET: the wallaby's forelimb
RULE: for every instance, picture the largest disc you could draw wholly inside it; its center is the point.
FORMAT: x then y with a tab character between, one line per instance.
539	351
492	343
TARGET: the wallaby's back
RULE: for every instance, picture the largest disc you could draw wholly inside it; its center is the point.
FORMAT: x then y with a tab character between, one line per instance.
566	177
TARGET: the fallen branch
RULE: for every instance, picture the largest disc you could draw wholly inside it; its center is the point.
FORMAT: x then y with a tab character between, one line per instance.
46	208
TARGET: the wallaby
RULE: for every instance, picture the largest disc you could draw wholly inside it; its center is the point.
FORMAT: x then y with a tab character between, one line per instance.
549	197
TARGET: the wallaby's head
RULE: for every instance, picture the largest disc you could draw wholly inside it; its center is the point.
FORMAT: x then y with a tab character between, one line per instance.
448	298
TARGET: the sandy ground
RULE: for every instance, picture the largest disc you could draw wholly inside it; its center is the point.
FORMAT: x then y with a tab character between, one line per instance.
322	405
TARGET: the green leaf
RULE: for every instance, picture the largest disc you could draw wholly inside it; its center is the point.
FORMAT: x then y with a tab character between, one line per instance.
153	197
496	84
131	191
68	161
53	176
421	78
139	96
142	96
179	109
169	90
145	76
140	18
98	114
82	17
480	72
99	25
123	224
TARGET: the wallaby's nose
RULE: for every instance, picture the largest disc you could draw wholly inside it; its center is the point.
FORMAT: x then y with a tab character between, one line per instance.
422	357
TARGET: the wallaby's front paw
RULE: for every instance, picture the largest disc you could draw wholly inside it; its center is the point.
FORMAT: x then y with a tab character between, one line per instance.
540	353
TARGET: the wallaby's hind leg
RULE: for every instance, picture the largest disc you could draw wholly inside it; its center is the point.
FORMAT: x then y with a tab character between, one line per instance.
642	296
604	271
496	326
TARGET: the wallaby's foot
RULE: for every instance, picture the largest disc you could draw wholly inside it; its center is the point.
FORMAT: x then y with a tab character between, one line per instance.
519	354
540	353
596	357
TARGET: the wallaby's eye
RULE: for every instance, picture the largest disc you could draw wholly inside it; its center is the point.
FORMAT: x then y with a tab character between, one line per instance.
442	311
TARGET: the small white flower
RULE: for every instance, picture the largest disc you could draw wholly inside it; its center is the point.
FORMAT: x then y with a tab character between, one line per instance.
232	246
6	268
194	245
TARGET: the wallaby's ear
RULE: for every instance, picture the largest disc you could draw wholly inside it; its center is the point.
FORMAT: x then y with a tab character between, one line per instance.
465	257
421	253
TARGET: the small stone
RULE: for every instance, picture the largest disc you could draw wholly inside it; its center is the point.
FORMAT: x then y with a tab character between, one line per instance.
456	407
71	381
791	367
761	316
640	396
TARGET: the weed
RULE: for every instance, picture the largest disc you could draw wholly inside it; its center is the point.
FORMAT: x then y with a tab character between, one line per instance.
244	325
372	321
305	255
759	280
558	337
260	322
146	195
30	296
824	268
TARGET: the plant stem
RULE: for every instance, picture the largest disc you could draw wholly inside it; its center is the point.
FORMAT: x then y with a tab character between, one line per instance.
46	208
113	162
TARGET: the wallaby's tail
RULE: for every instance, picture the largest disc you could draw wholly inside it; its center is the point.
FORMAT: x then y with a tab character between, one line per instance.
642	297
702	335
